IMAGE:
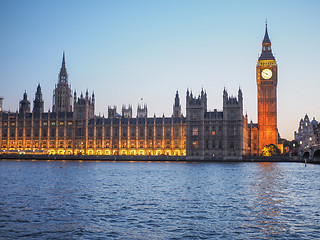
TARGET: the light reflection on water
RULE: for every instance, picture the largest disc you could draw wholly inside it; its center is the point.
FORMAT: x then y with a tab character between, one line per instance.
152	200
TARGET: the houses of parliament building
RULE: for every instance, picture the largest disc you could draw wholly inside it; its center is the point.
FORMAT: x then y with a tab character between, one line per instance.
72	128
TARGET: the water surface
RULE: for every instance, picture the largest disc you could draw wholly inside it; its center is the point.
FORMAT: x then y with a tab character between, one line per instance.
158	200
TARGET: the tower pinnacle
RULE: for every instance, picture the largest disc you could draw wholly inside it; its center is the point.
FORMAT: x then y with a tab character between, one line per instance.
266	53
62	93
38	101
63	76
63	61
266	36
177	106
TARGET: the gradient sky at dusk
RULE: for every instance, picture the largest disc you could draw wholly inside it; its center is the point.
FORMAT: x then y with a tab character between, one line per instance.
128	50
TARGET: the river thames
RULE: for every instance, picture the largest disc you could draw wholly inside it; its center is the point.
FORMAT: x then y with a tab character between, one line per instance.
158	200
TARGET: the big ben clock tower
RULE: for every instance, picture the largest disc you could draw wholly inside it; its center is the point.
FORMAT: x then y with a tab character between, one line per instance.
267	79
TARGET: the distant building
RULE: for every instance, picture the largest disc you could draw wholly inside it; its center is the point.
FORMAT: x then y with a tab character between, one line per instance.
308	133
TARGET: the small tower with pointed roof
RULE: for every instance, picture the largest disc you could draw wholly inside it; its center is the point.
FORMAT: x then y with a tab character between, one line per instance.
24	106
177	106
38	101
62	92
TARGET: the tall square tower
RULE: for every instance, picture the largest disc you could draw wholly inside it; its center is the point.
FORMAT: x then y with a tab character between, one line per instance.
267	80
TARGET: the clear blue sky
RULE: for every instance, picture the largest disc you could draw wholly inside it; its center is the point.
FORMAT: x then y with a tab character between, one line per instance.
128	50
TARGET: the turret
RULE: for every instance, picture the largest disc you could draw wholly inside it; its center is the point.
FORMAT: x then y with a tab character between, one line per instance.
127	112
177	106
83	106
1	99
112	111
142	111
38	101
62	93
63	75
225	96
240	98
74	97
24	106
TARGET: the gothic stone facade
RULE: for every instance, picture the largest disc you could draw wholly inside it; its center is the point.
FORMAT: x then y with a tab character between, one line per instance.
308	133
217	134
80	132
200	135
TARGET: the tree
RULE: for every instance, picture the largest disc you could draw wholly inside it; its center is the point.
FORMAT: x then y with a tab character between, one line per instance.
270	150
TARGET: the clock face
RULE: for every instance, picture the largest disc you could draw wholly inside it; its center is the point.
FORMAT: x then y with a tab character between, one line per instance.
266	73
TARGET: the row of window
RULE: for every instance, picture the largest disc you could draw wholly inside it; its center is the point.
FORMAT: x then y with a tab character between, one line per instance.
79	132
213	145
36	124
92	144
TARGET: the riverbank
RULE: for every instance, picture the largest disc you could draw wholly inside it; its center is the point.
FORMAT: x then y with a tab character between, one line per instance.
162	158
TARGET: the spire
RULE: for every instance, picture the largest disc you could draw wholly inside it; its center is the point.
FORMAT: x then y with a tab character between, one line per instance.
266	36
38	93
177	100
266	53
25	96
24	105
63	76
38	101
63	61
75	96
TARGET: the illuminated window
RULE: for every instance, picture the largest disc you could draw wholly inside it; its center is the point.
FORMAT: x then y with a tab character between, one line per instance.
213	133
195	144
69	123
195	131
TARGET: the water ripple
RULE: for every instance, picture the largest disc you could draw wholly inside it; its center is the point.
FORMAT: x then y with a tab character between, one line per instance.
110	200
